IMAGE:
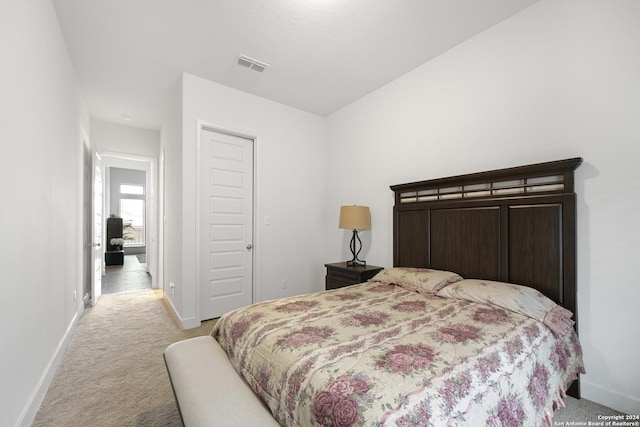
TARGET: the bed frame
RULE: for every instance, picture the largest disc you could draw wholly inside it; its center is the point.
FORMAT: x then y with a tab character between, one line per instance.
514	225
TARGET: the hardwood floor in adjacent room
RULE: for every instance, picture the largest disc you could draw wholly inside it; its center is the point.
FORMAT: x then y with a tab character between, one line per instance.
132	276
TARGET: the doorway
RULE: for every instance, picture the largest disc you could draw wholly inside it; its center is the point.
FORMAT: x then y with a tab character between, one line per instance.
127	197
126	231
130	188
225	221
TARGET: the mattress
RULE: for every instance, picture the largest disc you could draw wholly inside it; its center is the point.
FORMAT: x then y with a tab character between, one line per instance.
379	353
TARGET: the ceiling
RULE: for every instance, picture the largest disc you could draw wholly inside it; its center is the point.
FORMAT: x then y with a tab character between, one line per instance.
322	54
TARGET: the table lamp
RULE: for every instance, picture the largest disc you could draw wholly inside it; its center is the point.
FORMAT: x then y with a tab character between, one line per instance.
355	218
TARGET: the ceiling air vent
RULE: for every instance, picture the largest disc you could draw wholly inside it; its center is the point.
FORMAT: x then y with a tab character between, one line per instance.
251	63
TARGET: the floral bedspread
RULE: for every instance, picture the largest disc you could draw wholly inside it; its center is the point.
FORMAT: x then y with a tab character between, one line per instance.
375	354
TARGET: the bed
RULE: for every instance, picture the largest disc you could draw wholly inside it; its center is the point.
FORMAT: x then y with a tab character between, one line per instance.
474	324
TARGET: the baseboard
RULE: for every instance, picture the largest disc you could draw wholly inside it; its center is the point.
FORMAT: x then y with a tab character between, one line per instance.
609	398
187	323
191	323
30	410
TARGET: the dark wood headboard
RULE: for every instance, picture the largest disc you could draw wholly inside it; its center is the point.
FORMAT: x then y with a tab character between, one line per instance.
515	225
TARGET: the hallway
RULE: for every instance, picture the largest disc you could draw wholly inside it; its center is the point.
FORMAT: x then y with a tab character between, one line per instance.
131	276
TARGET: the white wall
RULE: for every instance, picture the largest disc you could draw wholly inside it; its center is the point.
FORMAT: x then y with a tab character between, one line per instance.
170	242
556	81
42	126
289	189
114	138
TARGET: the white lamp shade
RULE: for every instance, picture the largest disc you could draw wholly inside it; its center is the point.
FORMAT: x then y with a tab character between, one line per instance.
355	217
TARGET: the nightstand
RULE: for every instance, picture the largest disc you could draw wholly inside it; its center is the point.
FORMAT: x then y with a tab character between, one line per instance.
340	275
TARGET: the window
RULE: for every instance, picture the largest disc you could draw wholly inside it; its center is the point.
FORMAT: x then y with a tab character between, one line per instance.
132	206
132	213
132	189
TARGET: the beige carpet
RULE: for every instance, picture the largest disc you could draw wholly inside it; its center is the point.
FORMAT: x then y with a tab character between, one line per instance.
113	373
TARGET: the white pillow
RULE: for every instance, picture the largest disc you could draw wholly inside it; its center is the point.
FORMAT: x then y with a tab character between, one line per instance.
421	280
520	299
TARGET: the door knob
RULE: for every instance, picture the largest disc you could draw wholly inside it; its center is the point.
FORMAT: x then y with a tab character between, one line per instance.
249	246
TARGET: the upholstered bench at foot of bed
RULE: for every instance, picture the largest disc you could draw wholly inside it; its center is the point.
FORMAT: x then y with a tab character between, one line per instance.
208	391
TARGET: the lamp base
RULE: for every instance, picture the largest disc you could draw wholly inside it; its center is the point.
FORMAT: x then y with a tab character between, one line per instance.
355	251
